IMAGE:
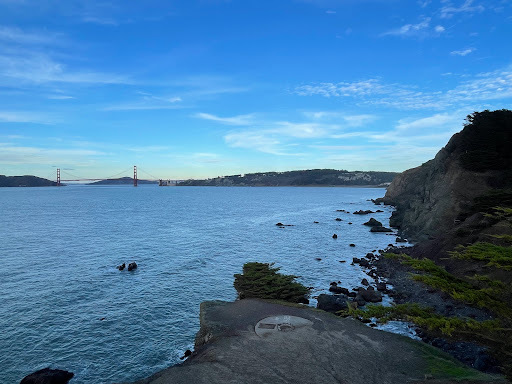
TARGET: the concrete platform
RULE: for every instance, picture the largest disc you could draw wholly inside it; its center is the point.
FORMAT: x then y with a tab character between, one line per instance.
259	342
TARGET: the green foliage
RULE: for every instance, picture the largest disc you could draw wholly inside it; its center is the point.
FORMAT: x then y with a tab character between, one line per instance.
489	296
442	366
504	238
261	280
423	317
493	255
485	142
492	199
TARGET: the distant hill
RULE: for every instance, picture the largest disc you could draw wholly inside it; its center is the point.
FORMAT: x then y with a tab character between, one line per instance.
313	177
25	181
122	181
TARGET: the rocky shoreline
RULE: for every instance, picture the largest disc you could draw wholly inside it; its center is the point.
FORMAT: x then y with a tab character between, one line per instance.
394	280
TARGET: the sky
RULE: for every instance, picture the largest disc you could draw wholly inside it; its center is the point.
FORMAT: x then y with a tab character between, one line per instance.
204	88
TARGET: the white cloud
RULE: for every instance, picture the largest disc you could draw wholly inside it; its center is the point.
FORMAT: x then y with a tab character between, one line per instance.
463	52
60	97
234	120
24	117
409	30
341	118
408	126
466	7
439	29
38	68
36	155
18	36
481	87
254	140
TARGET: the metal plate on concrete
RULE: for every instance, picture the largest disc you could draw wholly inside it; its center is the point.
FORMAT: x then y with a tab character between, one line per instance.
282	323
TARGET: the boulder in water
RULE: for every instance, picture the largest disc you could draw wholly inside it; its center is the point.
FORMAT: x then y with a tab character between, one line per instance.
132	266
48	376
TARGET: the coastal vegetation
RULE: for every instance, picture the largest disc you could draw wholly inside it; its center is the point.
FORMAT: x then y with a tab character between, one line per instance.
25	181
263	281
312	177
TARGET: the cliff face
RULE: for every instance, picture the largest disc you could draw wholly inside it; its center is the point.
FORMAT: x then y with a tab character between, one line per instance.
438	195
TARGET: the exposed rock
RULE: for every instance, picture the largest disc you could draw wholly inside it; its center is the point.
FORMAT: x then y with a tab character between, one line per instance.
365	282
132	266
48	376
352	245
336	289
188	353
370	256
438	195
381	287
380	229
361	212
335	236
373	223
361	262
338	219
350	223
401	240
332	303
315	222
318	259
121	267
370	295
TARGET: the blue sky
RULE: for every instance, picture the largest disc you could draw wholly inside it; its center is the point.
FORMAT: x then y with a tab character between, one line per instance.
192	89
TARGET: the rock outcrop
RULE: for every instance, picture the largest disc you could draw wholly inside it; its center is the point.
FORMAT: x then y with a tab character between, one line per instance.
438	195
48	376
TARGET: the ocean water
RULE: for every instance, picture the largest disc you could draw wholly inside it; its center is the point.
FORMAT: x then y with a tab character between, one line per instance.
59	248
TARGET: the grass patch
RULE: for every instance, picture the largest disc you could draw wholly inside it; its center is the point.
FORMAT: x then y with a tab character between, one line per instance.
262	281
486	294
494	255
426	318
442	366
504	238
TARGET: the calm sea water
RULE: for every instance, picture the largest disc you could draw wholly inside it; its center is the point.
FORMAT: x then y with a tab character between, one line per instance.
60	247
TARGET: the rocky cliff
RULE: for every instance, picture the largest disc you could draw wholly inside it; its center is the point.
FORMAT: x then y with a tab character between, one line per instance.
443	192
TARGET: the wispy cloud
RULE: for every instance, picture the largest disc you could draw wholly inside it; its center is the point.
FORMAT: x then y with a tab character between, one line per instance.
462	52
467	6
34	155
234	120
100	20
18	36
24	117
148	102
481	87
60	97
421	29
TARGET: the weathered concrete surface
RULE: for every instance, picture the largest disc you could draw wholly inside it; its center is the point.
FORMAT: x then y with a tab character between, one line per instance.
321	349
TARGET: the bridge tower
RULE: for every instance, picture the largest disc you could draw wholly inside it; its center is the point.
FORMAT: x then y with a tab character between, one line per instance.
134	175
58	177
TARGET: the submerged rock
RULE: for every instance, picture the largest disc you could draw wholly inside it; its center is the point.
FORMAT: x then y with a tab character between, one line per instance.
48	376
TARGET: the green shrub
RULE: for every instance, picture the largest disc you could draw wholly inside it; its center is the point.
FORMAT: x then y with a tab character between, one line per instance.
262	280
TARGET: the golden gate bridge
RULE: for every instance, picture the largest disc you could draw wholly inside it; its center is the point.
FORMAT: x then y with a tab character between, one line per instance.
161	182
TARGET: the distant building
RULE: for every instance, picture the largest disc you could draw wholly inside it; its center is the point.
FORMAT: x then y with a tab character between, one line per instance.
167	183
